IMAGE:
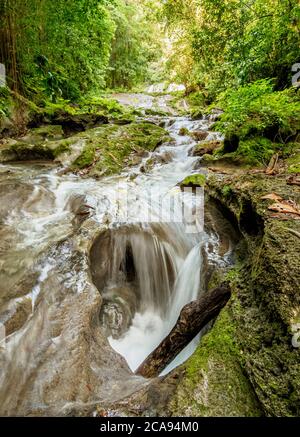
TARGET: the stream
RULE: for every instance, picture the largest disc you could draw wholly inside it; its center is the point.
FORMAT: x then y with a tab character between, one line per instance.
142	250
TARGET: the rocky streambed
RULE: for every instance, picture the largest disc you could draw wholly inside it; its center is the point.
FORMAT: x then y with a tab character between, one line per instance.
97	260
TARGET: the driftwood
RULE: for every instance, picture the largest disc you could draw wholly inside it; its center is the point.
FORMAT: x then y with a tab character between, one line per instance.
193	317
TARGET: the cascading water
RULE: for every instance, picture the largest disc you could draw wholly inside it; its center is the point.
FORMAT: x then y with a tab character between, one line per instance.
152	273
146	264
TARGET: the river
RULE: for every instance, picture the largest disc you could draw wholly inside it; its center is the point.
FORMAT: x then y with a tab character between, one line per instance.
144	244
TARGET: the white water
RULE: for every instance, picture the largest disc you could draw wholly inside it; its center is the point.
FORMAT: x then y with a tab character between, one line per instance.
45	218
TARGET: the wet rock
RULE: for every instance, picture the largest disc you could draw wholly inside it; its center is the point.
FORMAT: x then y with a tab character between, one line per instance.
200	135
62	363
266	303
193	181
183	132
119	307
42	134
197	114
215	114
71	123
78	205
14	315
207	148
13	195
156	159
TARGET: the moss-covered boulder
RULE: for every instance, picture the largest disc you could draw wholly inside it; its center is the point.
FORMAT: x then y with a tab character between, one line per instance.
109	149
213	382
193	181
100	151
43	133
21	151
200	135
207	148
183	131
266	304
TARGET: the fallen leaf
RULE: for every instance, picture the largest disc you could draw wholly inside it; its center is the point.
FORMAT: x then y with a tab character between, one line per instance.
293	180
272	196
278	215
285	207
218	170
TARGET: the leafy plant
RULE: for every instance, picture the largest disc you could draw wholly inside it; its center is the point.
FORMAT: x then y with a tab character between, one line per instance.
255	109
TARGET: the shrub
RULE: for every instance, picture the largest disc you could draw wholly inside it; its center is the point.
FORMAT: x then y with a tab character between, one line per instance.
255	110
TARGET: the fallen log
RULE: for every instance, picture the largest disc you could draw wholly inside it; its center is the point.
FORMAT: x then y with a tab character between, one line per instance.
193	317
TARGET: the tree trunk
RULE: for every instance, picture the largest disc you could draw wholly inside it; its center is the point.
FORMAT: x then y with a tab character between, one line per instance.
193	317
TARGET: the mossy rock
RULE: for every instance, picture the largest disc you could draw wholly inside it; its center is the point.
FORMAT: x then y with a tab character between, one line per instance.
231	143
197	114
43	133
183	132
266	301
207	148
293	162
111	148
22	151
200	135
213	382
195	180
26	152
100	151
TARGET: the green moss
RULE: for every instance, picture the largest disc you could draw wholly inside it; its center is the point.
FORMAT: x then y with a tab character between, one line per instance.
294	161
219	341
207	147
226	190
49	132
86	158
256	150
214	383
25	152
110	148
266	301
196	180
63	147
184	131
156	112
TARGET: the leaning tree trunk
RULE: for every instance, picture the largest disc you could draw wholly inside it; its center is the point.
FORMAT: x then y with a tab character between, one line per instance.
193	317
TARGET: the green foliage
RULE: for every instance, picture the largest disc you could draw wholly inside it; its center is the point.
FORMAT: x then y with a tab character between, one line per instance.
64	49
136	44
255	109
256	150
217	45
264	121
227	190
5	102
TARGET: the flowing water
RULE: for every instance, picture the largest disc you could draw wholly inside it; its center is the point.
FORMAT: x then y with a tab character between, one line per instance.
147	262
